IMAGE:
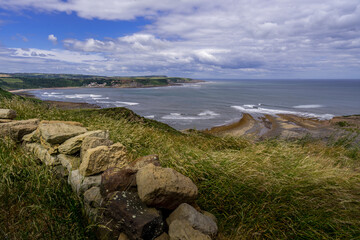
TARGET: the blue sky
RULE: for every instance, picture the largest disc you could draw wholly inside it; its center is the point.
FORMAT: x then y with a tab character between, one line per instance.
197	38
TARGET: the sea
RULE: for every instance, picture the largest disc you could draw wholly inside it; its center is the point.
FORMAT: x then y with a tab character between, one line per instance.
217	102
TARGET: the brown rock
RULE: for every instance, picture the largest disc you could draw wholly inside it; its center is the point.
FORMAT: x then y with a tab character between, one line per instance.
122	179
41	153
133	217
182	230
123	237
117	179
93	142
18	129
163	236
55	132
96	160
197	220
164	187
73	145
7	114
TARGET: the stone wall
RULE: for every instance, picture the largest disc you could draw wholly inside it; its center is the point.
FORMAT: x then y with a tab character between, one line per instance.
126	199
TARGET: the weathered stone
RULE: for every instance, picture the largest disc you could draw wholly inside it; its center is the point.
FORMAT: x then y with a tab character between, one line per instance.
117	179
133	217
61	171
182	230
41	153
69	162
5	120
210	215
93	142
80	184
18	129
123	236
123	179
7	114
55	132
164	187
163	236
73	145
92	197
29	138
197	220
99	159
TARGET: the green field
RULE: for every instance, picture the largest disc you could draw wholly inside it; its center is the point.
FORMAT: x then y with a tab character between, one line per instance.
273	189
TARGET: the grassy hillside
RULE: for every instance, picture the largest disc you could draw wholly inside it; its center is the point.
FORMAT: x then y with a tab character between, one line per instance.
12	81
273	189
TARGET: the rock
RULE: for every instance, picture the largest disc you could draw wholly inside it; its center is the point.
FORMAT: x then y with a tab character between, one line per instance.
7	114
99	159
73	145
164	187
29	138
123	237
106	229
197	220
61	171
117	179
69	162
182	230
92	197
5	120
133	217
80	184
210	215
163	236
123	179
93	142
56	132
143	161
18	129
41	153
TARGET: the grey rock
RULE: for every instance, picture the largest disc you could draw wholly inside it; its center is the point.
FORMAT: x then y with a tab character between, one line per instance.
69	162
182	230
198	221
80	184
92	197
42	154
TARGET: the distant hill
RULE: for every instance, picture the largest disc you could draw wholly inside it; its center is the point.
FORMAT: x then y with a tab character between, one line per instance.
12	81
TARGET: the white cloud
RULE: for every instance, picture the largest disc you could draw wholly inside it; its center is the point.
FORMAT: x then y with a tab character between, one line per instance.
52	38
223	37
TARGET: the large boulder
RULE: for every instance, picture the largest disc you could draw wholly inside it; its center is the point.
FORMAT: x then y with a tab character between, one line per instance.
96	160
41	153
73	145
57	132
198	221
123	179
164	187
7	114
133	217
182	230
80	184
93	142
18	129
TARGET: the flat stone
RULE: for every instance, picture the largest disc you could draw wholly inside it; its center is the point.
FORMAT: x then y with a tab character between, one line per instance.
69	162
55	132
133	217
42	154
198	221
80	184
73	145
164	187
93	142
16	130
182	230
96	160
7	114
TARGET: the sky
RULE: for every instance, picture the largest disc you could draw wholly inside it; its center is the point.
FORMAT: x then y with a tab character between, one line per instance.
282	39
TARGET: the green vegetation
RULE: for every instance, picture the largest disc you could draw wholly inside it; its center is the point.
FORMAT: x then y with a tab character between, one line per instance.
11	81
274	189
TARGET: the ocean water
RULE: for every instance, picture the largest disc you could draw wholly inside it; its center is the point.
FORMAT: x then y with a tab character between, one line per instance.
218	102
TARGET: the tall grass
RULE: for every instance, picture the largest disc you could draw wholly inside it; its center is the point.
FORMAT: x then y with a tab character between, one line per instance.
272	189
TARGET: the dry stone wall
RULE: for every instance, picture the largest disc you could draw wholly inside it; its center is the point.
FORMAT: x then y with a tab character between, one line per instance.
127	200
